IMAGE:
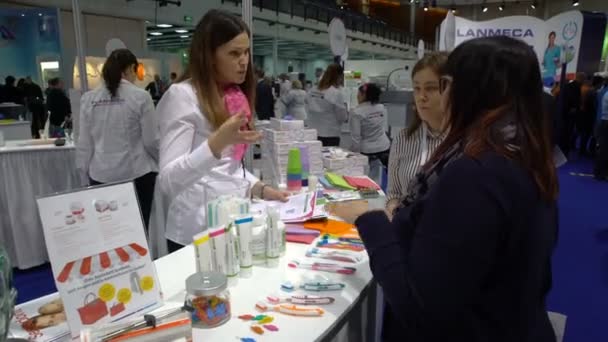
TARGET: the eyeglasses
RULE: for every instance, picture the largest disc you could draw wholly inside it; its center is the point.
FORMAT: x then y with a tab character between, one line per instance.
444	83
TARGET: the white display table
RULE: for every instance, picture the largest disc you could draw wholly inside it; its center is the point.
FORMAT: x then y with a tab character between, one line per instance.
27	172
350	318
16	130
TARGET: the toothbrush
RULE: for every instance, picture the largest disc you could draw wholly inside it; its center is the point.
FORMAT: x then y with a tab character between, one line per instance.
325	267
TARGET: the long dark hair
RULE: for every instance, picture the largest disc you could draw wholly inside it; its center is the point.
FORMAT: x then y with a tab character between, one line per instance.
435	62
371	92
118	61
215	29
496	79
331	76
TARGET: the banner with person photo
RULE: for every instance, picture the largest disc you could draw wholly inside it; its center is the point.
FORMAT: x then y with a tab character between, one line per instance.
556	41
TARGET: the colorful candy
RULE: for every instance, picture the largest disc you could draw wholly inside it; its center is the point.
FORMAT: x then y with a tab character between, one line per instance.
210	311
257	329
271	327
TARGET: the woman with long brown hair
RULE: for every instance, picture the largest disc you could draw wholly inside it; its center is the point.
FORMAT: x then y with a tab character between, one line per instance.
206	124
327	106
468	255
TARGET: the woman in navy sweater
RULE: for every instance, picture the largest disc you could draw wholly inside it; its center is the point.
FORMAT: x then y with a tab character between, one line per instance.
467	256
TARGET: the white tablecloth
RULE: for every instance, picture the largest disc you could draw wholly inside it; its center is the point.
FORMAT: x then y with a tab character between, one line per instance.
27	172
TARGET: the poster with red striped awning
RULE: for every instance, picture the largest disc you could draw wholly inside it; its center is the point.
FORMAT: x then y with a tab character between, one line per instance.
100	262
99	254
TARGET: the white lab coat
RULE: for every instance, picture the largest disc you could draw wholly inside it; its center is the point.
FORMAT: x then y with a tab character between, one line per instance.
187	165
293	103
368	124
285	87
327	111
118	137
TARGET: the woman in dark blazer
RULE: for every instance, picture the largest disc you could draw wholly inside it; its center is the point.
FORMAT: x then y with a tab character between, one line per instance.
467	257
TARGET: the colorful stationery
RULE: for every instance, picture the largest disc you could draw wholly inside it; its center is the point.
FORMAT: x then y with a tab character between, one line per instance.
338	181
361	182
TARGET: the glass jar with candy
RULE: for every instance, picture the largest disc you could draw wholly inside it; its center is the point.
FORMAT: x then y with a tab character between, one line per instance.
208	296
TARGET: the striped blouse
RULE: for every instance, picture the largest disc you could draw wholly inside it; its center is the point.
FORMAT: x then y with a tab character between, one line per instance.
406	157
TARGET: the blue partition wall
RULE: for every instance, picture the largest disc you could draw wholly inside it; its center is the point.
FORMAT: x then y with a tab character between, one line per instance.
26	36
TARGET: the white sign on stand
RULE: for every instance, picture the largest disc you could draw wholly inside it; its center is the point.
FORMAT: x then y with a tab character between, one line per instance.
99	255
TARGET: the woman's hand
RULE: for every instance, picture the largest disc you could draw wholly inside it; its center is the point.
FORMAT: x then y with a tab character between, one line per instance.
269	193
230	133
272	194
348	211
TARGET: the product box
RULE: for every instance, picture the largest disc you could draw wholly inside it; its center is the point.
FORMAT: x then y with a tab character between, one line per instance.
350	171
286	125
314	147
351	160
276	136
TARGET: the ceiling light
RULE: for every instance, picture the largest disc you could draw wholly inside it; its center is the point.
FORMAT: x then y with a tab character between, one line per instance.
184	36
574	3
181	31
148	39
156	33
533	5
40	14
23	14
501	7
426	6
484	8
164	25
411	1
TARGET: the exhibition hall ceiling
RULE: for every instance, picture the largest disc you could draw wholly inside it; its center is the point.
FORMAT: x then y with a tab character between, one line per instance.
178	37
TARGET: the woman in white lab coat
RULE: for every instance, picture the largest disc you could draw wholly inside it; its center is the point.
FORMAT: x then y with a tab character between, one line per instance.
293	103
368	125
327	106
118	136
198	132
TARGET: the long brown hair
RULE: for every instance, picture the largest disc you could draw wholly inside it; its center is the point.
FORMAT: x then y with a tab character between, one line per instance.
434	61
495	80
331	76
115	65
215	29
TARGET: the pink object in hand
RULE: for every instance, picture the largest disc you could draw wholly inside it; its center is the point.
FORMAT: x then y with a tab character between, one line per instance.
236	102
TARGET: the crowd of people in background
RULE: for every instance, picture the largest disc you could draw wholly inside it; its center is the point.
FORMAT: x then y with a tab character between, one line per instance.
53	104
580	110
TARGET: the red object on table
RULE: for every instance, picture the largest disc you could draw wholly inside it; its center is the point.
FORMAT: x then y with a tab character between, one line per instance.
305	239
361	183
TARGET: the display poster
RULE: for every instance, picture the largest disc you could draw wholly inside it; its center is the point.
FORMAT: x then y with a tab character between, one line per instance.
99	255
556	41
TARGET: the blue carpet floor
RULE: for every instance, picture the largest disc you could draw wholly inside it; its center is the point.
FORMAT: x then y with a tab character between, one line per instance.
580	263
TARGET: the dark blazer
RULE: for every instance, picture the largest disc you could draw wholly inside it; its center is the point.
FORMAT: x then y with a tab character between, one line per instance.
58	104
264	101
471	261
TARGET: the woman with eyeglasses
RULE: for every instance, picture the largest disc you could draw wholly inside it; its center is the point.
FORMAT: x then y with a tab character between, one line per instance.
207	124
467	257
414	145
119	135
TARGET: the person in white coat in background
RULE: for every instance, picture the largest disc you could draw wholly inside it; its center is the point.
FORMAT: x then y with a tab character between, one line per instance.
293	103
199	132
327	106
119	134
368	124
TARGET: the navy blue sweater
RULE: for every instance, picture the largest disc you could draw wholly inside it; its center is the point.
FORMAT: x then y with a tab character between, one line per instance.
471	261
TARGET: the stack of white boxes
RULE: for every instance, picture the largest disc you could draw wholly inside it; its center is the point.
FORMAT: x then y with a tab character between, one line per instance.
353	164
282	136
